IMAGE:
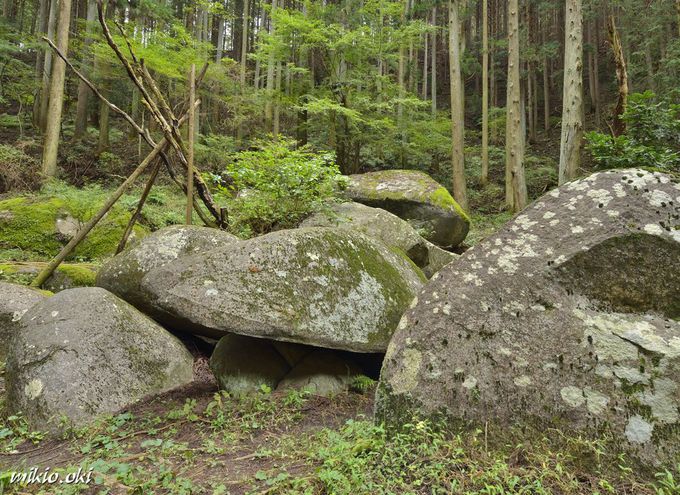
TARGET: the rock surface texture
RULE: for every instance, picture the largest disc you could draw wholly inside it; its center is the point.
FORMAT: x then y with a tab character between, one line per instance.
123	274
386	227
567	317
415	197
326	287
15	301
85	352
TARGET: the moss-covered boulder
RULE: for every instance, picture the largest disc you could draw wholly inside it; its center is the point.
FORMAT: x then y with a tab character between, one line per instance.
123	273
83	353
567	317
415	197
66	276
321	286
15	300
386	227
242	365
43	225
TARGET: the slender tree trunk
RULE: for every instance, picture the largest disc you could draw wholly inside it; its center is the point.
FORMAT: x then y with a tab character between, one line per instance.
515	184
530	102
596	70
618	125
401	76
271	79
40	59
83	90
572	100
434	62
426	60
484	179
457	115
47	70
56	95
219	49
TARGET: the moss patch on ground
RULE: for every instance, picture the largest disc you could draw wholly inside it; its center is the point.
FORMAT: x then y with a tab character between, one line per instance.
28	222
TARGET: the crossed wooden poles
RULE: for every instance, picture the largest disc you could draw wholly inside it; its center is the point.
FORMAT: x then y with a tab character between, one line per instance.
168	122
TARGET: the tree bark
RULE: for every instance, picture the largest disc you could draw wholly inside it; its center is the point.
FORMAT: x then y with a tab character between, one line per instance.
515	184
434	62
618	125
40	58
457	112
83	90
484	179
56	95
572	99
47	69
271	81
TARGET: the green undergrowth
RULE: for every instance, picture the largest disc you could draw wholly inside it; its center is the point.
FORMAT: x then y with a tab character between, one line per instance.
282	443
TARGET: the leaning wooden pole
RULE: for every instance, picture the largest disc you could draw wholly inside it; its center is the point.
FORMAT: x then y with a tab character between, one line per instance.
92	222
190	145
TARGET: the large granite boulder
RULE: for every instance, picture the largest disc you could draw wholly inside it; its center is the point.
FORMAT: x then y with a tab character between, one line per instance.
15	300
388	228
567	317
85	352
326	287
123	274
415	197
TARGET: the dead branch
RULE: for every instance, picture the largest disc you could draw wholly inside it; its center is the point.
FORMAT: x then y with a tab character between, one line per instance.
139	75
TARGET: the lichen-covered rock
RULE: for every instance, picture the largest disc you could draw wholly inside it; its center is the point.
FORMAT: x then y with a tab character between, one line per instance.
66	276
242	365
386	227
415	197
15	300
85	352
321	372
122	274
320	286
567	317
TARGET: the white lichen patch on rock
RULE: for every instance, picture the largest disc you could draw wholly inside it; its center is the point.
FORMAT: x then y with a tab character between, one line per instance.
33	389
406	378
638	430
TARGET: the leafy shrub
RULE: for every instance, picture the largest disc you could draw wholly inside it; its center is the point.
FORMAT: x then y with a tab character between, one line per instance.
213	150
17	169
652	138
276	186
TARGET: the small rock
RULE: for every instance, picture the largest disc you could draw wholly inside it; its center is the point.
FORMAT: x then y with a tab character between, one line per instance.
322	372
242	365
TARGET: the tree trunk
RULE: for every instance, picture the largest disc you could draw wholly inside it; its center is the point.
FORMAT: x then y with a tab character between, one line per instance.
426	60
83	90
40	59
271	82
47	70
515	185
56	103
618	125
485	93
572	99
434	62
457	114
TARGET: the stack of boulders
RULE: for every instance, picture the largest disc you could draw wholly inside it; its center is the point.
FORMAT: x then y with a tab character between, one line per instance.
294	308
565	318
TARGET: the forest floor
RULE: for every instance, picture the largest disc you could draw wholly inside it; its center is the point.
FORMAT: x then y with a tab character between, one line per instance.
198	441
